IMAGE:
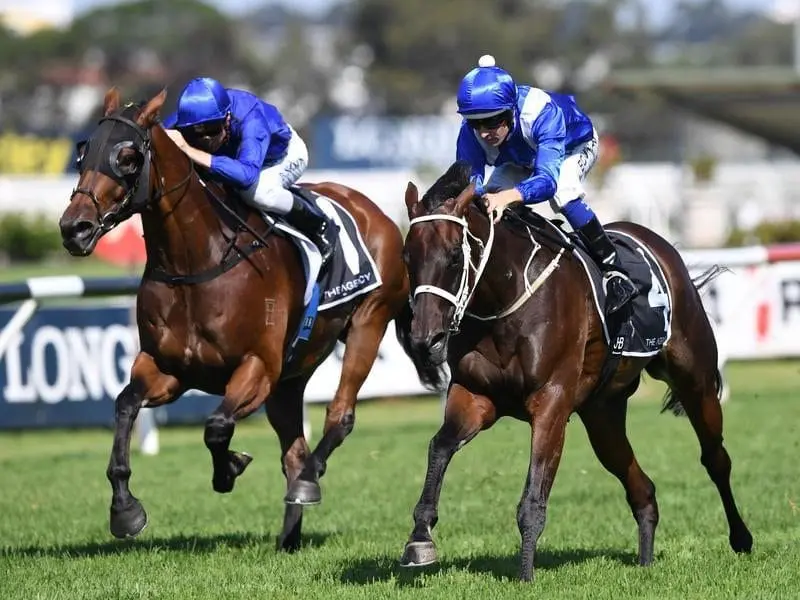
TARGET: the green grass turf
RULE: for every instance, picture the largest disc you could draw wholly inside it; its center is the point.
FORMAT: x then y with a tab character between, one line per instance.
54	498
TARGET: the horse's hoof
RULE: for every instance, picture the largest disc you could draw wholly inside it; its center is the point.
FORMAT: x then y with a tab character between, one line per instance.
237	463
742	543
304	493
418	554
128	522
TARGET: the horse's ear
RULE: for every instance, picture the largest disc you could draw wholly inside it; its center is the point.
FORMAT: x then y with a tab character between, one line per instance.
111	101
464	199
412	200
149	114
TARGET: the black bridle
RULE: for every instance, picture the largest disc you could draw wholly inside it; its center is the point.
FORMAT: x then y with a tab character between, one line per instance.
135	181
92	154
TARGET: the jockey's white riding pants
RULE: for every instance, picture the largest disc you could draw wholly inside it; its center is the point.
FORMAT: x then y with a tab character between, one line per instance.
270	192
569	186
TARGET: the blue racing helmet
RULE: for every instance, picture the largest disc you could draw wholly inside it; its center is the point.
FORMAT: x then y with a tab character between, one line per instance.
203	99
486	91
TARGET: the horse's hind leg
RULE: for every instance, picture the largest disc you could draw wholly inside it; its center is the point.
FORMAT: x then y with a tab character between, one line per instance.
285	414
367	329
690	370
466	414
148	386
605	426
248	388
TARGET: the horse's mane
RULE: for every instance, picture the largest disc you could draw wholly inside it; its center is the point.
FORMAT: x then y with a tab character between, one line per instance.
449	185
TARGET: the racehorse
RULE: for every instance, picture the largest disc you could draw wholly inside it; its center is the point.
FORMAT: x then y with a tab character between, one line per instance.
510	312
219	303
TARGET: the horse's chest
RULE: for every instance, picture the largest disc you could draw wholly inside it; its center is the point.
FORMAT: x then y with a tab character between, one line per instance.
180	339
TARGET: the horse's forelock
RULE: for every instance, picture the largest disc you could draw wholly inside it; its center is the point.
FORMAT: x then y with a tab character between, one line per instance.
449	185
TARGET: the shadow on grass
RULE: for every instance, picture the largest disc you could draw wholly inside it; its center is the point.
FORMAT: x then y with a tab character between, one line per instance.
179	543
384	568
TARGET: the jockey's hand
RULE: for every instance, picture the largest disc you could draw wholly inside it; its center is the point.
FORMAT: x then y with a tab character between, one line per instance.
177	137
496	202
197	155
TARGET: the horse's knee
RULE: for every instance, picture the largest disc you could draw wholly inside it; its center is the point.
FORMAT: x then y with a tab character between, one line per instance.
128	401
218	431
348	421
344	420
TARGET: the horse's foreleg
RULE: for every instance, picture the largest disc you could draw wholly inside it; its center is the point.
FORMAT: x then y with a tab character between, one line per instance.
247	390
550	411
466	414
361	349
148	386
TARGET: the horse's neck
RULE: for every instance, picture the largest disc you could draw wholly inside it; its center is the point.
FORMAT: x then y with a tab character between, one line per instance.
503	279
182	231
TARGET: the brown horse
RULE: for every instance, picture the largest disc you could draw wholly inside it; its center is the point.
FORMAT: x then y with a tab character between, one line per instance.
531	346
217	309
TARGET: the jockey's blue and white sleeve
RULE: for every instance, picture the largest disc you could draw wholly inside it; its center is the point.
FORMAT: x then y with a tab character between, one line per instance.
548	132
468	149
243	171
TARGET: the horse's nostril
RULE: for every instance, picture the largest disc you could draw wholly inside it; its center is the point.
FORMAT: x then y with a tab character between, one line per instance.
78	230
81	228
437	342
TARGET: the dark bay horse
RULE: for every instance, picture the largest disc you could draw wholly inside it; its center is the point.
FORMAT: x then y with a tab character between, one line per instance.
531	346
223	309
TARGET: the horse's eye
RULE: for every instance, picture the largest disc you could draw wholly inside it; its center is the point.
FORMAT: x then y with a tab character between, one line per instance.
80	153
129	163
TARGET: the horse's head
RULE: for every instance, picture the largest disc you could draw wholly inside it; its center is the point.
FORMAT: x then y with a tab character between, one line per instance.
114	173
437	254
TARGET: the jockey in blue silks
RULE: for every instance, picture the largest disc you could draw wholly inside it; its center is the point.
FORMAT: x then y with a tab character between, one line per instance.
246	142
542	146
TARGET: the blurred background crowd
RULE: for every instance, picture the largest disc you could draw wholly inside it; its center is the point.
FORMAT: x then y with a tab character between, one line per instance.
697	101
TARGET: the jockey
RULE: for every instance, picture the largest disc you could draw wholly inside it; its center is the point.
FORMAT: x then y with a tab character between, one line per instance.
245	141
542	146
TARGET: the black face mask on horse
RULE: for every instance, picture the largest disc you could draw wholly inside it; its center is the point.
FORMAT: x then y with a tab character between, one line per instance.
112	151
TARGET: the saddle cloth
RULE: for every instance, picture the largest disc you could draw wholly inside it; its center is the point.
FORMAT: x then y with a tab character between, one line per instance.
351	270
645	328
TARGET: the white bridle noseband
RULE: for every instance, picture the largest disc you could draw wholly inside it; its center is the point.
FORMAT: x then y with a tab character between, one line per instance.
461	299
464	294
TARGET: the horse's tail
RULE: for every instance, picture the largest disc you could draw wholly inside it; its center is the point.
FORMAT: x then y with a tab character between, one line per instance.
671	403
432	376
707	276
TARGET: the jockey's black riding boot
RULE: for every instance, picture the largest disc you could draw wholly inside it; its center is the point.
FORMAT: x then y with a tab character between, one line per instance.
315	225
620	289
